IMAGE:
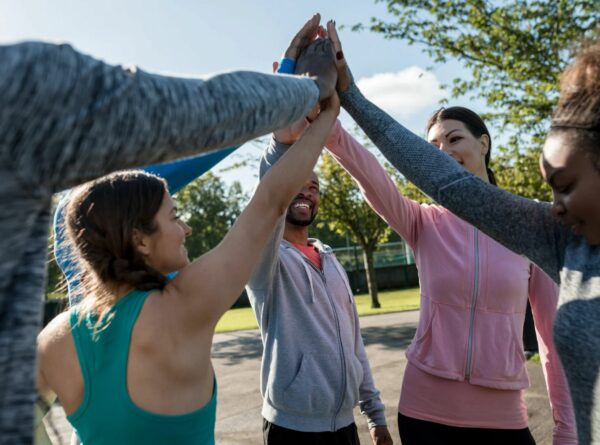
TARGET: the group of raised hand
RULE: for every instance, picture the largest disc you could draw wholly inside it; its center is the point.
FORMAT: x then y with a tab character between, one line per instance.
317	52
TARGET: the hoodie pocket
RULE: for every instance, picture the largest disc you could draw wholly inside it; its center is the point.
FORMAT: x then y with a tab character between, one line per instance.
355	377
440	345
313	389
498	350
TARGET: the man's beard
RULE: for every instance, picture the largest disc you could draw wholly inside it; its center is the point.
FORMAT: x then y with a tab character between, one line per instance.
291	219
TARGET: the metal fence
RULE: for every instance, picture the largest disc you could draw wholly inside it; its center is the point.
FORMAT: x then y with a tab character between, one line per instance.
388	254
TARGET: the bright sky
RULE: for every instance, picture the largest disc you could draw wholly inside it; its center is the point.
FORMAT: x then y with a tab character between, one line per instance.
210	36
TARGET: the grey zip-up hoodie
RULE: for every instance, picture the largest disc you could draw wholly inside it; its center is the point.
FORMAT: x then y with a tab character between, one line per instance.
314	366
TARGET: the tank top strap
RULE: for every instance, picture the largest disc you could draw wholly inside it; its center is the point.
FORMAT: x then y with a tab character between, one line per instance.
81	330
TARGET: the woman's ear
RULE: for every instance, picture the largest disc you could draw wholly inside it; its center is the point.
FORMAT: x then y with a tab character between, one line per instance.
485	144
141	242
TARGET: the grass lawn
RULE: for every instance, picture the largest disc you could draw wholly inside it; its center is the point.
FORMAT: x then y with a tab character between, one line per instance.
391	301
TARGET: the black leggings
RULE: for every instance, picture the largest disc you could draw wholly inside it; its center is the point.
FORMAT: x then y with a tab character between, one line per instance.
421	432
278	435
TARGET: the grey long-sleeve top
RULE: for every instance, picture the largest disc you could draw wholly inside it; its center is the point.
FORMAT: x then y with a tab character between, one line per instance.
522	225
66	118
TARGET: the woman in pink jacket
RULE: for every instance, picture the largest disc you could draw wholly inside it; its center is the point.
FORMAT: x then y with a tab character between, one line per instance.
466	371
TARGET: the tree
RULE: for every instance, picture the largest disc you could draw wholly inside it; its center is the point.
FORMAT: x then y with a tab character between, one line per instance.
210	209
346	212
515	51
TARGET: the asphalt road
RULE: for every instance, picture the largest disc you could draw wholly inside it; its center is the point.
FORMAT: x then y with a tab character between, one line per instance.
236	358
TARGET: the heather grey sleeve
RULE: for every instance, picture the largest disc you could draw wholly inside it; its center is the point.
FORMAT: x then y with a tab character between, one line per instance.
522	225
66	117
264	273
369	396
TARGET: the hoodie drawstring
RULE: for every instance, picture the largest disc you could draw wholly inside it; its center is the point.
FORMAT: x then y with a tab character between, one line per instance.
310	280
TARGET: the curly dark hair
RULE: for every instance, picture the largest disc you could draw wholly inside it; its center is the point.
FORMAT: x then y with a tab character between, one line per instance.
578	109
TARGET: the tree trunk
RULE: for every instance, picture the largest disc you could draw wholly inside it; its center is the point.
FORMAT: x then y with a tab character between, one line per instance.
371	279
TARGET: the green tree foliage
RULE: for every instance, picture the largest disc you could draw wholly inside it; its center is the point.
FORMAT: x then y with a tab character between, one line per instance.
210	208
514	50
346	212
518	172
320	230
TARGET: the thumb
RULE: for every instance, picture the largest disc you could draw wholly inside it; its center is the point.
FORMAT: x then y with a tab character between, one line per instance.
275	65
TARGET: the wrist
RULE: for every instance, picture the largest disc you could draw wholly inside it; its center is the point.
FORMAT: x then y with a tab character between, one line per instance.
283	141
287	65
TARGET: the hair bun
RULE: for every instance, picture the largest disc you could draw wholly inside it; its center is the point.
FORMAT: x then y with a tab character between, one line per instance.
579	103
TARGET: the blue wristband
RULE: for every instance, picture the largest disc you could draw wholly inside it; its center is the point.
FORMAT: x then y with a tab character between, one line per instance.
286	66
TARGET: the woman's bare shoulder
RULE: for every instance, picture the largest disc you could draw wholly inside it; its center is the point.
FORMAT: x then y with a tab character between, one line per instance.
55	335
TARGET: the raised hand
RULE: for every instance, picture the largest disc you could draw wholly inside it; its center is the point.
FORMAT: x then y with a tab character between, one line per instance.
317	61
303	38
343	72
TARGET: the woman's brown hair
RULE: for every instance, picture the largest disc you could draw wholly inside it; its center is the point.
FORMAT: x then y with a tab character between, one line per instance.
102	216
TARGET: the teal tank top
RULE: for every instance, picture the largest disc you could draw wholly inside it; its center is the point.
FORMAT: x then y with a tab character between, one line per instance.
107	415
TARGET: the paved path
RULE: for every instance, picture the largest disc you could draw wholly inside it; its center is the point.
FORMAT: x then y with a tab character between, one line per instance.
236	358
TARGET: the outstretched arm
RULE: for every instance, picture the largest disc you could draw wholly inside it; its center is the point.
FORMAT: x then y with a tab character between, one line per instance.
264	272
69	118
379	190
522	225
543	296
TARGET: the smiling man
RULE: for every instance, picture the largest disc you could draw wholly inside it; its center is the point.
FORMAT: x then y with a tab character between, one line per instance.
314	366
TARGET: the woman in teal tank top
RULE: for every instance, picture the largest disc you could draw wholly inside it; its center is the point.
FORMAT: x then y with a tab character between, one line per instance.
131	363
103	358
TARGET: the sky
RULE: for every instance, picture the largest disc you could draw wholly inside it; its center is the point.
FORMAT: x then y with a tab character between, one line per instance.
203	37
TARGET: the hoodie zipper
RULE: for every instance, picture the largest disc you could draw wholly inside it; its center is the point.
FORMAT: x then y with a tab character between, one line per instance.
473	303
341	346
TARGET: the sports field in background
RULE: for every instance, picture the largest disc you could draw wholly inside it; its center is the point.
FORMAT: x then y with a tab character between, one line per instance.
391	301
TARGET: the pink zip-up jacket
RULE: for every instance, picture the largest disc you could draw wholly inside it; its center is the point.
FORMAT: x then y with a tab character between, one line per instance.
473	292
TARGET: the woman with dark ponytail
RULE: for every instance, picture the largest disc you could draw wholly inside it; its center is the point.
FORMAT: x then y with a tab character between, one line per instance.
476	128
466	374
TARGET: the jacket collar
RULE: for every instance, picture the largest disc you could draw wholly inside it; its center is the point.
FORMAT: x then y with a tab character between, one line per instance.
322	248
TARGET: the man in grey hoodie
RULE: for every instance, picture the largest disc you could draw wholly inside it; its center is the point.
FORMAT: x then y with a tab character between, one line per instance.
314	365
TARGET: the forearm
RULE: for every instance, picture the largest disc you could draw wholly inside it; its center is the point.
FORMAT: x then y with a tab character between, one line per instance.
87	118
522	225
370	403
543	296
